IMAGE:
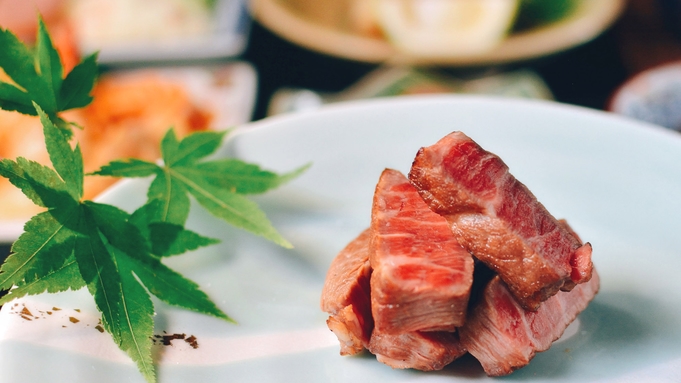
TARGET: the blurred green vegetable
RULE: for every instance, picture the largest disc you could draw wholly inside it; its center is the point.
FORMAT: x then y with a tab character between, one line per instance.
535	13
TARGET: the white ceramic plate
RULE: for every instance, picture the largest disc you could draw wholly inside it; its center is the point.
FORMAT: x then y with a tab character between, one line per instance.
587	22
617	181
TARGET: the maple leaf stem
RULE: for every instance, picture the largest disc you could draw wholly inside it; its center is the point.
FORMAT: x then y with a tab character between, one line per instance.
166	206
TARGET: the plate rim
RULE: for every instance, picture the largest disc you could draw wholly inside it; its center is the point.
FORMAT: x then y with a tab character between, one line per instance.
388	101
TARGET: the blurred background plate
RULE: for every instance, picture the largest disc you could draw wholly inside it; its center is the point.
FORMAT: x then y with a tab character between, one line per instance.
337	36
653	95
131	106
136	32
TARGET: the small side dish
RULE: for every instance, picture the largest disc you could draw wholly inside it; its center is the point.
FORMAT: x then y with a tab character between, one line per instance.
437	32
653	95
130	106
129	31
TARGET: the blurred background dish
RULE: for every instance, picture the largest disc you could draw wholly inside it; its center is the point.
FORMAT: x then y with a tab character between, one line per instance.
391	81
133	107
131	111
654	96
19	16
137	32
356	30
130	31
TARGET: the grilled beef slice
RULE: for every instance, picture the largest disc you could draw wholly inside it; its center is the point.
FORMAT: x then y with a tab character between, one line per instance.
425	351
345	295
503	336
421	276
497	219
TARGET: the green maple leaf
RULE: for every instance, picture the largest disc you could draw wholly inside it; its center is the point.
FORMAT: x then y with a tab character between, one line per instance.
166	238
117	256
217	185
63	278
79	243
47	241
38	77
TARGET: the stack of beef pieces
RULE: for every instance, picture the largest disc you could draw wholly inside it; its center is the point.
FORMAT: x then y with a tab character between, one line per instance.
404	288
